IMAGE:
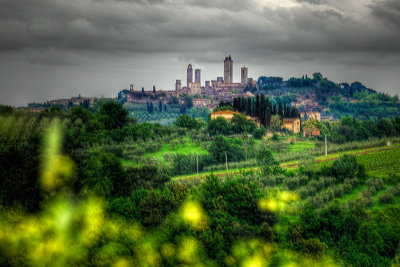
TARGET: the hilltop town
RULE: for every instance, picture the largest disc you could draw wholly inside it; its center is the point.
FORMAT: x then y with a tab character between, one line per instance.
314	96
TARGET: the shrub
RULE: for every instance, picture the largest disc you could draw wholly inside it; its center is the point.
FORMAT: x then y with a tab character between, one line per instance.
292	183
368	192
279	179
338	191
303	180
319	185
327	182
396	191
344	167
386	198
303	192
376	184
347	187
317	202
314	247
311	190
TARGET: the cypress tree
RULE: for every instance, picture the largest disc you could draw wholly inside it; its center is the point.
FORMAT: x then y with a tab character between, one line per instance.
151	107
257	106
248	111
262	109
280	109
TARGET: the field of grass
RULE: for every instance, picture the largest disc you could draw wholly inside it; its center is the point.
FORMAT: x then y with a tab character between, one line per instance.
188	148
301	146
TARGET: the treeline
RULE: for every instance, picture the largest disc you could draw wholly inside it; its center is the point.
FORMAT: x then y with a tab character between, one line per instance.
322	87
348	129
261	108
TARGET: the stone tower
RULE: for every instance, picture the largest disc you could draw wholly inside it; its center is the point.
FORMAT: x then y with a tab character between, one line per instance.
228	70
197	76
189	75
244	75
178	85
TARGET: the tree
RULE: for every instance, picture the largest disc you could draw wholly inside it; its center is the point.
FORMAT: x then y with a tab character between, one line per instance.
113	116
276	123
6	110
257	112
151	107
160	106
240	124
186	121
188	102
317	76
264	157
344	167
173	101
219	126
78	112
232	147
280	109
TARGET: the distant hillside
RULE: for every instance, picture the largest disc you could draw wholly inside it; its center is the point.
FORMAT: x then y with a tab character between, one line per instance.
334	100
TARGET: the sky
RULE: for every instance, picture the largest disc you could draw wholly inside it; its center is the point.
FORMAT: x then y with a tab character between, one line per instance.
53	49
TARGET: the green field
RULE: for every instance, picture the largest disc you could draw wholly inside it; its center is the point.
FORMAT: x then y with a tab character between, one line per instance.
189	147
301	146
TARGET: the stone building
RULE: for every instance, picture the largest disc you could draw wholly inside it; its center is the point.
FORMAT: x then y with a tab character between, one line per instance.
227	114
244	75
197	76
178	85
292	124
314	114
189	75
228	70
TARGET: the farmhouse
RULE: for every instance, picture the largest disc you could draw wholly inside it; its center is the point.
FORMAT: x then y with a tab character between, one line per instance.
292	124
308	132
227	114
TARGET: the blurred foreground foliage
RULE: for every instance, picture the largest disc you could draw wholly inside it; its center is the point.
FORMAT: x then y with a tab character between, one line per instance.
63	205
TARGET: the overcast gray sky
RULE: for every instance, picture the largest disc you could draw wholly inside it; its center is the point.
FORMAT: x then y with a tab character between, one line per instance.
61	48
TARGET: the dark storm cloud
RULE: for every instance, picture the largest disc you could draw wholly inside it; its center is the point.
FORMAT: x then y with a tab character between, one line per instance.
313	2
154	32
388	11
144	26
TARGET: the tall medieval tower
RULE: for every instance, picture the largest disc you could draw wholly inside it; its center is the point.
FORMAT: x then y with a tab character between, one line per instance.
228	70
244	75
189	75
197	76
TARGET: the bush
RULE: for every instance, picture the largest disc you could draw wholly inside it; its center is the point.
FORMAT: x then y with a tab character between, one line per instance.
311	190
386	198
292	183
303	180
338	191
303	192
313	247
320	185
347	187
344	167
